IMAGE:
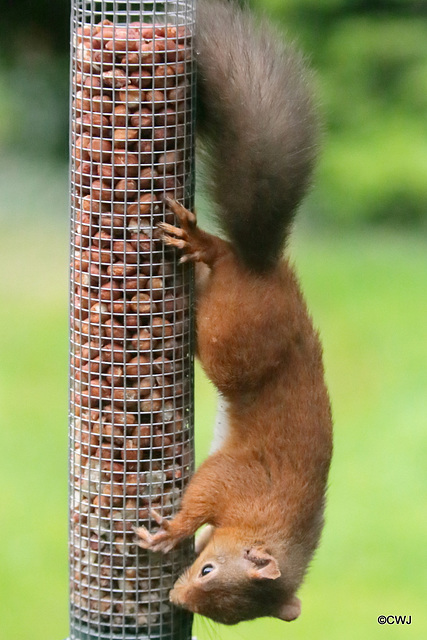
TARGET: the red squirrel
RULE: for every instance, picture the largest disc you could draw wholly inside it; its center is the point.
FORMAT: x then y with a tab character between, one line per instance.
263	490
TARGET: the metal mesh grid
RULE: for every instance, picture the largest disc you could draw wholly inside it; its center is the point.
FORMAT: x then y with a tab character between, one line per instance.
131	376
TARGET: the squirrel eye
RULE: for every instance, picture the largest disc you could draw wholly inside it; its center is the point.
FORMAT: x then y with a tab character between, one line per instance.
206	569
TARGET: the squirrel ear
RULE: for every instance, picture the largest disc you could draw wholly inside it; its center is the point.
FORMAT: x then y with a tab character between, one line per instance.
265	566
290	610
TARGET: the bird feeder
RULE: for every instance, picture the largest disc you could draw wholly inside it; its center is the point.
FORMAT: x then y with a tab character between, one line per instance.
131	329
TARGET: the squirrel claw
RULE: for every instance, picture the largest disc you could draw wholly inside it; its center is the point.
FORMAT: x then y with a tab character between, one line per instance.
178	238
169	228
163	522
175	242
144	537
173	236
187	218
196	244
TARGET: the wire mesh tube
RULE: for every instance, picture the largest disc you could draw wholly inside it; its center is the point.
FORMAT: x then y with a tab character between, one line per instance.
131	376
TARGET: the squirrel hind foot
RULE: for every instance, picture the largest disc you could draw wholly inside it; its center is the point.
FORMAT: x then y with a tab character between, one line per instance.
187	218
196	244
176	237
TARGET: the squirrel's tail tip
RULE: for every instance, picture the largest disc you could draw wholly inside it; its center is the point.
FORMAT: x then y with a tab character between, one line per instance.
256	115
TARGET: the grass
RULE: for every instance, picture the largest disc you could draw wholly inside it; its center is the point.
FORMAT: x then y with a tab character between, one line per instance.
367	293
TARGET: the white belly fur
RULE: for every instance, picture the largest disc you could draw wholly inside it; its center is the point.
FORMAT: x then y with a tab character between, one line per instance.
221	427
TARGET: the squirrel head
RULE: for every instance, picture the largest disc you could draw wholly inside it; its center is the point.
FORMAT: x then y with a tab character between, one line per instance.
231	581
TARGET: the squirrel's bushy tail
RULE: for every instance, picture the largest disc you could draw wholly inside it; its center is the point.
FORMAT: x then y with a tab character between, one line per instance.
258	123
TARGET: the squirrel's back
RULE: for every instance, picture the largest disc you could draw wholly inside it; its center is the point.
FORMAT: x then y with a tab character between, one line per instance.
257	121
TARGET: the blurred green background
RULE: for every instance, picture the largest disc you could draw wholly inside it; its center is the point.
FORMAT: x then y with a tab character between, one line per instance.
361	252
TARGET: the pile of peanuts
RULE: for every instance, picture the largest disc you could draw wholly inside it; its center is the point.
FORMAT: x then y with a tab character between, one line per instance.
131	386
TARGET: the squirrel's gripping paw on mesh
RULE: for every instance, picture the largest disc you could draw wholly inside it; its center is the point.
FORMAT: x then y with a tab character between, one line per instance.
187	237
163	540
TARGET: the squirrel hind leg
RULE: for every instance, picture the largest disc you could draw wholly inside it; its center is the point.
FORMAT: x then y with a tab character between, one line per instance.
196	244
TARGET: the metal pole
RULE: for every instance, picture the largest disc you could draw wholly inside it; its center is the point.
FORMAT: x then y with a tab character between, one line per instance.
131	358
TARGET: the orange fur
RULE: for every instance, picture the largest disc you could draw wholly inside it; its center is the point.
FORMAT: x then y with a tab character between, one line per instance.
264	488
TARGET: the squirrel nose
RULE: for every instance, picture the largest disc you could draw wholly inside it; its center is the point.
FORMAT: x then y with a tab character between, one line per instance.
178	597
173	596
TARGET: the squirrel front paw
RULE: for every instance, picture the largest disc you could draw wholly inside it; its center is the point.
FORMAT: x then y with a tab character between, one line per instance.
163	540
